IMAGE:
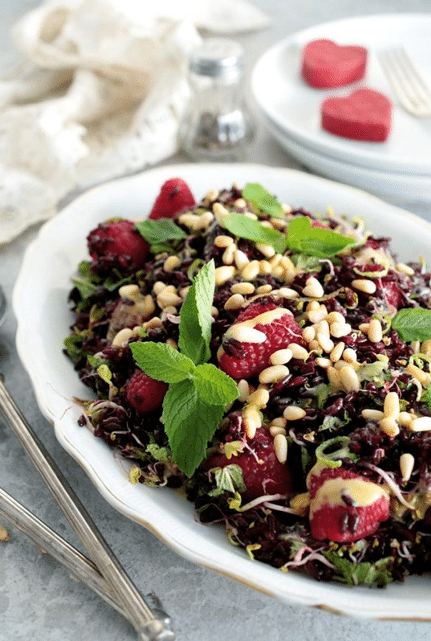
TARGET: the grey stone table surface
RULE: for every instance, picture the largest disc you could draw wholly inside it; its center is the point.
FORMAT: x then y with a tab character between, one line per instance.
38	599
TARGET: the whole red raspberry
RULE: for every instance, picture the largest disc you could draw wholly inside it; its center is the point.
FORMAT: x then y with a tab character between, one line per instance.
118	239
174	196
144	393
261	470
345	506
243	359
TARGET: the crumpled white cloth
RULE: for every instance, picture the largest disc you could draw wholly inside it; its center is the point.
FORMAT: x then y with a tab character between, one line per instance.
100	94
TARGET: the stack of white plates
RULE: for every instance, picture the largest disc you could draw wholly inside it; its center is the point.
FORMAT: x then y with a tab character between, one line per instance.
399	168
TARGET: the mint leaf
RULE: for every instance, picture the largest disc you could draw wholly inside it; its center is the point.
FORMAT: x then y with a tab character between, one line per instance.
162	362
228	479
195	316
413	324
157	232
302	238
263	200
352	573
245	227
189	423
214	386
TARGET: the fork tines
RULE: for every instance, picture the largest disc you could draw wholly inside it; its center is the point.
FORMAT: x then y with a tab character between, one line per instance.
408	85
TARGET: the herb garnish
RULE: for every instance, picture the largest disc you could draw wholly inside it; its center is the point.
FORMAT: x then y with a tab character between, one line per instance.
198	391
245	227
263	200
413	324
302	238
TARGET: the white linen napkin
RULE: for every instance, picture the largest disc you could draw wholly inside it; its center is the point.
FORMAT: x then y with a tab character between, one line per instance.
100	94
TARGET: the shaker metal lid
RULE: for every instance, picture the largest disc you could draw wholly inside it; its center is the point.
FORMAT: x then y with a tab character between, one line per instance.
219	57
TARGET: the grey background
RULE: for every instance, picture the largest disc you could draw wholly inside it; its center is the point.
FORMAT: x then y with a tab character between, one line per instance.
38	599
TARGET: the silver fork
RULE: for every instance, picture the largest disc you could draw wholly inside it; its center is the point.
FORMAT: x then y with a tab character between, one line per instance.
410	88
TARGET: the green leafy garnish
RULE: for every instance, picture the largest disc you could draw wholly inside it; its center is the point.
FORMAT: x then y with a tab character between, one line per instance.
352	573
228	479
195	316
198	391
263	200
302	238
157	232
245	227
413	324
330	457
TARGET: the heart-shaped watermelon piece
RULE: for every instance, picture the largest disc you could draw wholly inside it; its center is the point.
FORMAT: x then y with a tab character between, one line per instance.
365	114
327	64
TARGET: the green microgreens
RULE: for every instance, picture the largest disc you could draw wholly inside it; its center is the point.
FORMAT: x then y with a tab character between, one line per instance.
198	391
413	324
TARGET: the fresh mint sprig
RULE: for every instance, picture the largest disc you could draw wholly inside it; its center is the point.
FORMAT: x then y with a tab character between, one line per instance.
198	391
413	324
302	238
263	200
244	227
160	231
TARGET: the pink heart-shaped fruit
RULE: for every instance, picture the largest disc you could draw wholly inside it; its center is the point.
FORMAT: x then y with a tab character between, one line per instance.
364	114
327	64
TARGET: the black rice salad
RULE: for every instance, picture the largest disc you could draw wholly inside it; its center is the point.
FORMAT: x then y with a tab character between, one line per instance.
276	366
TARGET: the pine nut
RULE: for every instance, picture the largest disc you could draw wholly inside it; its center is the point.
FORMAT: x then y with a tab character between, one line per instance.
184	291
426	347
220	212
338	330
252	420
264	267
323	328
317	315
243	390
235	301
153	323
325	342
349	379
242	288
407	462
364	285
259	397
251	270
275	260
167	299
314	346
172	343
286	292
171	263
149	306
405	269
389	426
158	287
267	250
281	357
313	289
294	413
245	334
337	352
313	306
129	291
375	330
334	378
298	351
211	195
421	424
416	346
372	415
423	377
223	274
323	362
335	317
189	220
122	337
280	447
276	429
264	289
405	419
223	241
241	259
228	254
391	405
273	374
308	333
349	355
240	203
280	421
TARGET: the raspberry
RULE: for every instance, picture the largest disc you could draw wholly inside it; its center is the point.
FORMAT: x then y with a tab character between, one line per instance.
345	506
174	196
390	292
242	359
262	471
144	393
120	240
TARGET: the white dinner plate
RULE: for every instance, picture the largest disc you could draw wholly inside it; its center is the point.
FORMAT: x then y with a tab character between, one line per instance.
283	95
40	305
387	184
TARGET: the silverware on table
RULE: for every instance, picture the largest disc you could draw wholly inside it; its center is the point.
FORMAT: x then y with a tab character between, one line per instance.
410	88
104	573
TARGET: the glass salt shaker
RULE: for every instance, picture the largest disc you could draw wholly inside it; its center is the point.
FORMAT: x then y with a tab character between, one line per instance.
217	125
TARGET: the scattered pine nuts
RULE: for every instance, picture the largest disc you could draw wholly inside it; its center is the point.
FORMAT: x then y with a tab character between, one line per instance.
389	426
171	263
235	301
281	357
372	415
252	420
375	330
349	379
391	405
251	270
280	447
298	351
337	352
122	337
223	241
267	250
259	397
294	413
245	334
313	289
421	424
364	285
242	288
129	291
243	390
273	374
223	274
407	462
